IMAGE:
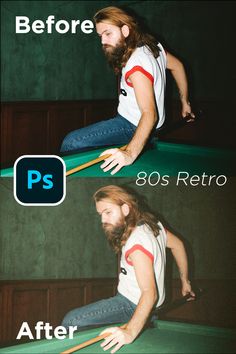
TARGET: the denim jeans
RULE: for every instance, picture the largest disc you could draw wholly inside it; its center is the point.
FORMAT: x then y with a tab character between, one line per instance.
114	131
116	309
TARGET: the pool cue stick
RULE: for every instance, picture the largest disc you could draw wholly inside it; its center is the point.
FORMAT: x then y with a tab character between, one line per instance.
86	344
90	341
184	121
178	302
92	162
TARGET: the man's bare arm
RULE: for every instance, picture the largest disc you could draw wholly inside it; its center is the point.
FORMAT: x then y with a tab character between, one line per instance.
180	255
144	94
146	280
146	101
177	69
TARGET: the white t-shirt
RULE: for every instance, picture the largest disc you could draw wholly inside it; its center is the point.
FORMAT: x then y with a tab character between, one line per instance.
143	60
142	239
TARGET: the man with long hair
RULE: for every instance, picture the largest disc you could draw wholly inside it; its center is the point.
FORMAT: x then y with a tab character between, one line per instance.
141	61
142	240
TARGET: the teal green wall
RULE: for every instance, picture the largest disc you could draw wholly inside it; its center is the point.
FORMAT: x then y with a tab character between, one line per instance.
61	67
67	241
53	242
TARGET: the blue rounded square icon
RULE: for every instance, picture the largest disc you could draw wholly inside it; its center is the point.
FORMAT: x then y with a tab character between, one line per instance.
39	180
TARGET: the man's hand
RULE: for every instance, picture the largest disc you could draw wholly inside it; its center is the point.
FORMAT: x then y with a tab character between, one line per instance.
187	289
187	111
117	339
118	159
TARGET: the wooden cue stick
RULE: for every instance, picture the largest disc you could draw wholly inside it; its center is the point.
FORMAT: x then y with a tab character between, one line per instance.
90	163
86	344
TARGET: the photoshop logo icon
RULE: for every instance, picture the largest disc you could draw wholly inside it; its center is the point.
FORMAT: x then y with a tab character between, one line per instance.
39	180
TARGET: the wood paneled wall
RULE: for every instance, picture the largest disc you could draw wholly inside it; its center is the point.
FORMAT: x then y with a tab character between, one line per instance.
46	300
50	300
215	307
39	127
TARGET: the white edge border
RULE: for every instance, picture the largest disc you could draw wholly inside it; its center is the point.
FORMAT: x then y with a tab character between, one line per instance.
64	180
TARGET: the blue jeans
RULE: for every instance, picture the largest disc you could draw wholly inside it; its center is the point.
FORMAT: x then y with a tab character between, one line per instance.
114	131
116	309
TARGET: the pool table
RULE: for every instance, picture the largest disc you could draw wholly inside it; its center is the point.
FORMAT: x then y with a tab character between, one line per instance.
165	337
165	158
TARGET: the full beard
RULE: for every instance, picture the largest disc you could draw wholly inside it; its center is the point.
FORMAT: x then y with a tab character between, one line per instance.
114	234
115	54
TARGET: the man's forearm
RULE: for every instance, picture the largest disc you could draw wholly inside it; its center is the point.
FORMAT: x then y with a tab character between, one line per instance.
180	256
180	77
119	158
142	312
142	133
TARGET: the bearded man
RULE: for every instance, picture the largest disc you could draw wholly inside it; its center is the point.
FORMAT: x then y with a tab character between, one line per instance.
141	61
142	241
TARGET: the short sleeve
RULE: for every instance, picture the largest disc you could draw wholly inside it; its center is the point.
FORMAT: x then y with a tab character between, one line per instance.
140	240
140	61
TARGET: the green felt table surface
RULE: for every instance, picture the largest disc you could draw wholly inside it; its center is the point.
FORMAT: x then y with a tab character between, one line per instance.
165	337
165	158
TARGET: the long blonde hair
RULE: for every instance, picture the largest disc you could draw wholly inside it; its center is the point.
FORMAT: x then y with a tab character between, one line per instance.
137	37
137	215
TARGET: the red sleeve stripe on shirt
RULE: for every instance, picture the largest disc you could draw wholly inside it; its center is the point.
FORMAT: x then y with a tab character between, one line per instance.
140	248
142	70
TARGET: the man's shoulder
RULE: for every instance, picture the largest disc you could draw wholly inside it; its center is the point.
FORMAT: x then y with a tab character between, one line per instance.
138	235
140	52
140	231
143	56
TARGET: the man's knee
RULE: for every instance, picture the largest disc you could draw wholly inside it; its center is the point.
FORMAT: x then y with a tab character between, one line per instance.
71	142
70	319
